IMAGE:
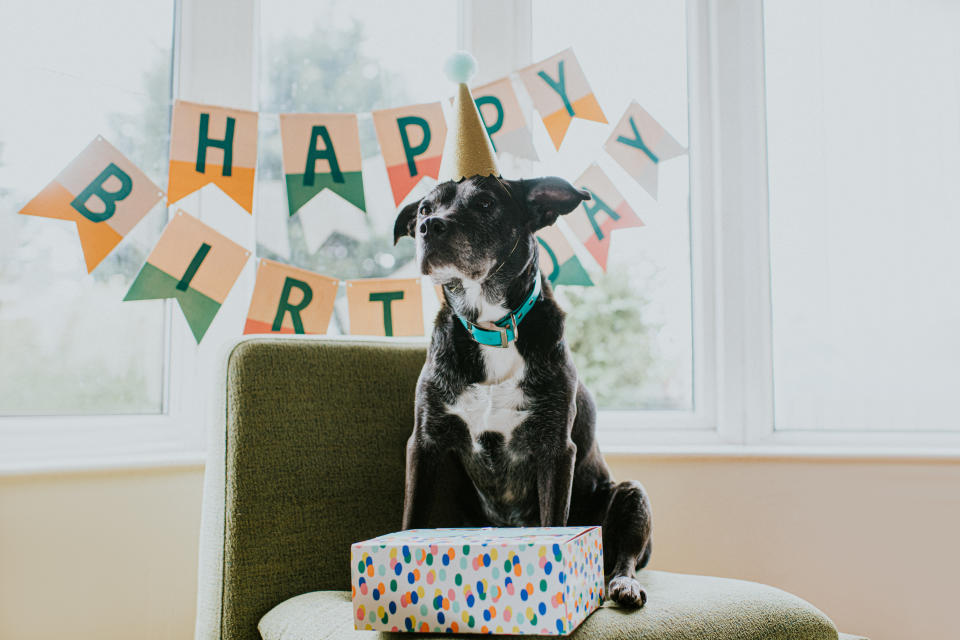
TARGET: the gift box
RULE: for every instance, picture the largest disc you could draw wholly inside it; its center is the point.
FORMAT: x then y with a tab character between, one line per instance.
528	580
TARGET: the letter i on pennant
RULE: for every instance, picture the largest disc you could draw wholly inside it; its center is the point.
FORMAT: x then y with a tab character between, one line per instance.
193	264
103	192
385	307
560	92
321	151
213	145
290	300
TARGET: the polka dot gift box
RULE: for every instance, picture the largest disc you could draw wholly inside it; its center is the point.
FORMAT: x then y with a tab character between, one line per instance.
526	580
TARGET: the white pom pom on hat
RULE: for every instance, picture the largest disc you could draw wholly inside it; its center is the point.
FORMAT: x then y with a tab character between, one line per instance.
460	66
467	151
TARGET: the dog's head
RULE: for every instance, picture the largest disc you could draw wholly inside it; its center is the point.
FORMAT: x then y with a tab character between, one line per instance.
483	225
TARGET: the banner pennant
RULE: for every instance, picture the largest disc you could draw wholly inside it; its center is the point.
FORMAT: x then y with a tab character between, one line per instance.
385	307
560	93
321	151
503	118
411	140
558	261
103	192
593	221
639	143
193	264
215	145
288	299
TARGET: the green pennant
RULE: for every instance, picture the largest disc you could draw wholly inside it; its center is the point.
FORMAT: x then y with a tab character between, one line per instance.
350	188
153	284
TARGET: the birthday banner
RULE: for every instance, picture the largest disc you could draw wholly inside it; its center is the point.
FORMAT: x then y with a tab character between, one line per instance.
639	143
411	140
594	220
385	307
195	265
106	195
503	118
560	93
290	300
101	191
321	151
212	145
558	261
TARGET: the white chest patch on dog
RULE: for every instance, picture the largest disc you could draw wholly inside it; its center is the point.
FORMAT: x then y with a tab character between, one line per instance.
498	404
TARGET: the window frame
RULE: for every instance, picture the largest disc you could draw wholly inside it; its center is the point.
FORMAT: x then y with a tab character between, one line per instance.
215	60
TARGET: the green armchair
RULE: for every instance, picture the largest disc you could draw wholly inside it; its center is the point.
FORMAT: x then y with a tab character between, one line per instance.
307	456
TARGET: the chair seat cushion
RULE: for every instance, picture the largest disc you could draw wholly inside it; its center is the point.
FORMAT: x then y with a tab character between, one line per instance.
679	607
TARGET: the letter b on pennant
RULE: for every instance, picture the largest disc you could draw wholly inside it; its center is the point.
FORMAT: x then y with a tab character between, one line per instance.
109	198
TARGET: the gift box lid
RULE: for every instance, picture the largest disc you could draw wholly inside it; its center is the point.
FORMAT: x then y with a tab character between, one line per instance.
479	536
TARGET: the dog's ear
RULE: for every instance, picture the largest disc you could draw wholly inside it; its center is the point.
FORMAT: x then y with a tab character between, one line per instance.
405	221
549	198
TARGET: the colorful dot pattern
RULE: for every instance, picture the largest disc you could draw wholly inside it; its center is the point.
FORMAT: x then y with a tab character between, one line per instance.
524	580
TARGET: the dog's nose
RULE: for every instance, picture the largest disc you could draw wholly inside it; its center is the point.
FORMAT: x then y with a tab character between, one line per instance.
432	226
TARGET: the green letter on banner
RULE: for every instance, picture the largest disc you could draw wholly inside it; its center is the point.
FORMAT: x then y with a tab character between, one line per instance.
559	85
637	142
493	128
314	154
386	297
194	265
555	269
294	309
409	151
226	144
109	198
592	207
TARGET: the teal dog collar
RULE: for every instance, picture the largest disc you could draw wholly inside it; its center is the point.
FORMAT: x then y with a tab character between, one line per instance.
508	326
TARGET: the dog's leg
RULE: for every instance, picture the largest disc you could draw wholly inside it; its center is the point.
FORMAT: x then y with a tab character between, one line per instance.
554	480
423	464
626	542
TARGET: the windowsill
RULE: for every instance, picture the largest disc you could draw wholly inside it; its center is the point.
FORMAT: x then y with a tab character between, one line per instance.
197	459
786	452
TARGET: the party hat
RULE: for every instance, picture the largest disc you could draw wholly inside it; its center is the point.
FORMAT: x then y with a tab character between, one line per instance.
467	151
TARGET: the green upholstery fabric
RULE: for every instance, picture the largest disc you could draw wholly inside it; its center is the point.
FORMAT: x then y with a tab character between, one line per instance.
307	456
316	440
680	607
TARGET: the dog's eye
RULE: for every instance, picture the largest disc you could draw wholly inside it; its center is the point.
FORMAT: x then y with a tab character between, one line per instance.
483	203
425	209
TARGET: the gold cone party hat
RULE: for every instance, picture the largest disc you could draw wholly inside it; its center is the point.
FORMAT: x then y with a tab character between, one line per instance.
467	151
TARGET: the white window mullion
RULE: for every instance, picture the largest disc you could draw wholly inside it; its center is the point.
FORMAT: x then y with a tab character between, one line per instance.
743	277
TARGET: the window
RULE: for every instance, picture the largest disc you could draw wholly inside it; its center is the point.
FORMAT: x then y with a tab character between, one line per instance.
864	150
70	346
792	285
632	333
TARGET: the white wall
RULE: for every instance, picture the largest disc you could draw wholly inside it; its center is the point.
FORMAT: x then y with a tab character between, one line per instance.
872	543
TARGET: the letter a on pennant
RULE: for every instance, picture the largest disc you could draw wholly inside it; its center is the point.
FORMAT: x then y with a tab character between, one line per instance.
593	221
290	300
385	307
639	143
104	193
212	145
411	140
321	151
193	264
560	92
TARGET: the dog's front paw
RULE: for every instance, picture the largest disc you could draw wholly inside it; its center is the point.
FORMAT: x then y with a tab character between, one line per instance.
626	592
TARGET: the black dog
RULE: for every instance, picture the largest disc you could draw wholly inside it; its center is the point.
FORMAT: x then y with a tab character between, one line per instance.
514	418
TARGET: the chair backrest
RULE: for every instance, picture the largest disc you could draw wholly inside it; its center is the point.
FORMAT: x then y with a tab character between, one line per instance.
314	461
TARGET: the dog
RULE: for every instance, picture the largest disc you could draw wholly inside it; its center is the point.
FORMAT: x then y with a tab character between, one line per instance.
514	418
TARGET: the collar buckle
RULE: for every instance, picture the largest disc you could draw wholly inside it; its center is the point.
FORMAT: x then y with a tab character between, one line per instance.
504	336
